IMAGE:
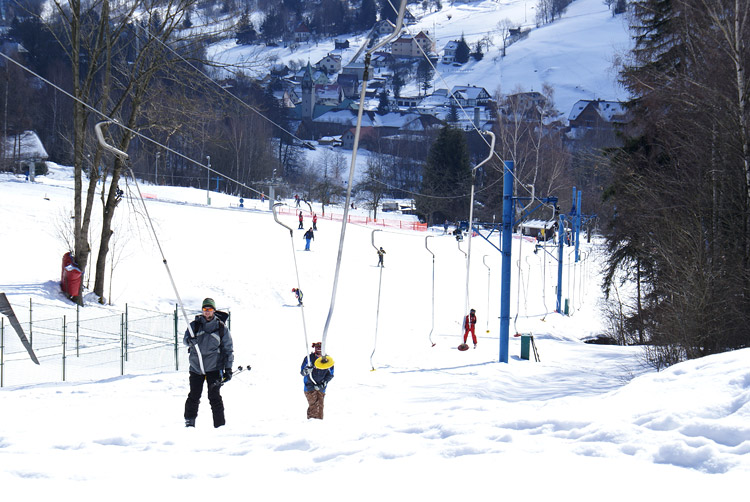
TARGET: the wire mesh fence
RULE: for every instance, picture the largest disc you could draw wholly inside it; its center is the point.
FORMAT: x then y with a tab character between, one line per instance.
73	349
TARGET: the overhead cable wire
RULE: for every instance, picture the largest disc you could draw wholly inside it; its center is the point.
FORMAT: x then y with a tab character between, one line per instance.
140	135
306	144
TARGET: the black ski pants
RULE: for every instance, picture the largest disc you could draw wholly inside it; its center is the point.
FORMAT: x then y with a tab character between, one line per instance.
213	380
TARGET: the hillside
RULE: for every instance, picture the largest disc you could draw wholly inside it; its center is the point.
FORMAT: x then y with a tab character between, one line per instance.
576	55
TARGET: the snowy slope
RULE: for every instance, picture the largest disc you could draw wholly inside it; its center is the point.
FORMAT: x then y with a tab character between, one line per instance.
429	423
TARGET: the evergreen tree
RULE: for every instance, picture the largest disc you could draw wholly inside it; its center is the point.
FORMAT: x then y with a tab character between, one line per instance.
367	14
681	185
478	54
462	51
446	178
245	34
387	11
424	74
384	104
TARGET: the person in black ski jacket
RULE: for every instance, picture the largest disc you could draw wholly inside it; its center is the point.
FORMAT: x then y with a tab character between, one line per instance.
211	353
309	235
315	382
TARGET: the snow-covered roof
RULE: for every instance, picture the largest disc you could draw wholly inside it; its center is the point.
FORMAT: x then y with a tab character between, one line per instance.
468	92
607	110
25	146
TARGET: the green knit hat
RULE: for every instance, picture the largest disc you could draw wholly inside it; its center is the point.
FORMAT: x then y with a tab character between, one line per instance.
209	302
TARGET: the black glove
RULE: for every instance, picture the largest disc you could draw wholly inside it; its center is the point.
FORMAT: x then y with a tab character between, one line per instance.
227	374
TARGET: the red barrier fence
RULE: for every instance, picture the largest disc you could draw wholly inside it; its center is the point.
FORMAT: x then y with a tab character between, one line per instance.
358	219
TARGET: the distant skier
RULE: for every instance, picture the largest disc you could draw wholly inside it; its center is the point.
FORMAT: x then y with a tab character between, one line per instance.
470	322
210	351
381	253
298	293
315	381
296	200
445	227
315	222
301	221
309	235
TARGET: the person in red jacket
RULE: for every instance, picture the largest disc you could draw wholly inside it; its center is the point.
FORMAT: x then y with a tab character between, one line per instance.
315	221
301	219
470	322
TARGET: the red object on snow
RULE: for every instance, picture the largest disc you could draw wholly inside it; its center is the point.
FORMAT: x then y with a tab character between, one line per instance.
70	280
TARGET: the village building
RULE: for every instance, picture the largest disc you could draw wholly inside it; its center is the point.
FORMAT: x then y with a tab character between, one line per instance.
302	33
330	64
449	52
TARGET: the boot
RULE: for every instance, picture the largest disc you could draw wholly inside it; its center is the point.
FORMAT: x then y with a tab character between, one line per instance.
189	422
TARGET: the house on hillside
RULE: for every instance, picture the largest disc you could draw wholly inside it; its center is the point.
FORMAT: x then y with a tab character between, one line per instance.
407	46
383	27
340	44
449	52
329	95
302	33
354	68
349	84
366	135
597	118
523	105
24	151
330	64
469	95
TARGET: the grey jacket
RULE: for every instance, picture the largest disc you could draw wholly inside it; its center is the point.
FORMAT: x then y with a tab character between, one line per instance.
217	351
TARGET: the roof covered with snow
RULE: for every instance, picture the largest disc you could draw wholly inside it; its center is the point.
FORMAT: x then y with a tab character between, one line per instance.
25	146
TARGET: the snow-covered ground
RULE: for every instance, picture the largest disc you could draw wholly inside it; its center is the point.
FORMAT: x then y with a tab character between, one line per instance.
429	423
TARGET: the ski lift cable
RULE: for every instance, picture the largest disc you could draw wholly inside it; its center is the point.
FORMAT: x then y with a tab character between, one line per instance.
324	361
230	93
487	313
296	271
377	311
111	120
125	158
520	280
432	327
471	218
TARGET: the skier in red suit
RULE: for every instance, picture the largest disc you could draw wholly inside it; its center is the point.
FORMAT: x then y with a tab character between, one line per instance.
470	322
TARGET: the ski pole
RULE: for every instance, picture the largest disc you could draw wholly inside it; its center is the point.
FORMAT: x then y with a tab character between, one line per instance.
239	369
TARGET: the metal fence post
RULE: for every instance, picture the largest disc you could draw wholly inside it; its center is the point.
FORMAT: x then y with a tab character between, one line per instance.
31	326
176	344
125	342
2	351
63	349
122	344
78	336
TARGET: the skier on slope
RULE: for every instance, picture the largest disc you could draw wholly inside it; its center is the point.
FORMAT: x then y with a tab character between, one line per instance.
381	253
315	381
210	351
470	322
309	235
298	293
301	221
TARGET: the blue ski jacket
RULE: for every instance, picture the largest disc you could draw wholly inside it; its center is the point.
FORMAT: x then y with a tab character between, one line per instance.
317	379
215	343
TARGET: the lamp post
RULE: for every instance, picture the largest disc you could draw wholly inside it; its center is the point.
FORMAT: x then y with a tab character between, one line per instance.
208	181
